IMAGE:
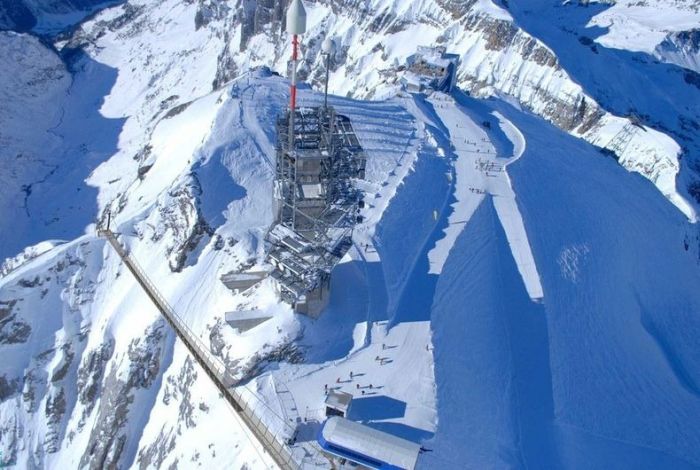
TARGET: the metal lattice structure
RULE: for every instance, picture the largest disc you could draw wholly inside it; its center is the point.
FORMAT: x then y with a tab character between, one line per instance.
317	203
620	141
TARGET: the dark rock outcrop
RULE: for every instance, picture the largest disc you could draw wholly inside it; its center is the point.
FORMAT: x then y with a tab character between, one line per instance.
109	437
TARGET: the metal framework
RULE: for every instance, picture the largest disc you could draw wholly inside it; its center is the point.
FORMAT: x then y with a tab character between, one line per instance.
317	202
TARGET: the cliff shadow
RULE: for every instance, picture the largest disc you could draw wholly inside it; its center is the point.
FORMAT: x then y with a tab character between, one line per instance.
59	203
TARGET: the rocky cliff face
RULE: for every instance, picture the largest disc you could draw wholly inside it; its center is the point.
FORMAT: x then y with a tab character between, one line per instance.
497	57
41	376
120	394
682	48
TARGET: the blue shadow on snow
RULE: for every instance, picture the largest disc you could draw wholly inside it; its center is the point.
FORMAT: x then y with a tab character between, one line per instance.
376	407
60	204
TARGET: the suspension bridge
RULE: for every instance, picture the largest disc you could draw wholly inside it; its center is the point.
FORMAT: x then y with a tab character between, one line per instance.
286	454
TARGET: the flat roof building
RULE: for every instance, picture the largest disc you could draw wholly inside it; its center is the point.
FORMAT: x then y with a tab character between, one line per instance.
338	403
367	446
431	68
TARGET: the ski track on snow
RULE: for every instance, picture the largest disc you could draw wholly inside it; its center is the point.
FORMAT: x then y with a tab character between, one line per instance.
479	171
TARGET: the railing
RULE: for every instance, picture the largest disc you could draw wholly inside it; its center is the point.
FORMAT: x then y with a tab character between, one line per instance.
213	367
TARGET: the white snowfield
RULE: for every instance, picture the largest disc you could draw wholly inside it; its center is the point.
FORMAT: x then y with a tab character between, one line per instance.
438	322
643	26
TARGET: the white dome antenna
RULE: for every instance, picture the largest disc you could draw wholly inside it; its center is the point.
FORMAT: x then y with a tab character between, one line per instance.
296	18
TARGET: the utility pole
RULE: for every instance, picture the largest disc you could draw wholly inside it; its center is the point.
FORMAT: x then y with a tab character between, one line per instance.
327	48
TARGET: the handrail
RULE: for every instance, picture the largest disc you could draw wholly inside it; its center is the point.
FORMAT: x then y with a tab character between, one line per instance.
280	453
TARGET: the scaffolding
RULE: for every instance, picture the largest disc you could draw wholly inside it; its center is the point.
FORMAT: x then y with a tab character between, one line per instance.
313	181
317	205
620	141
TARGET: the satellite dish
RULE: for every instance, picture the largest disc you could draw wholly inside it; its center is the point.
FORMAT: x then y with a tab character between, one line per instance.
328	46
296	18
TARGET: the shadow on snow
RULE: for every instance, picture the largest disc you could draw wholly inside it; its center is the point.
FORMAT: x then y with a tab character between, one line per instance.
60	204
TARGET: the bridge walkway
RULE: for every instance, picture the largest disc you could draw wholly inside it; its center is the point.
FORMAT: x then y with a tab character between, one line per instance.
274	443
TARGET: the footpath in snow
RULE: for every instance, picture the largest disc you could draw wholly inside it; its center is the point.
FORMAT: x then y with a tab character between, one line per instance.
479	170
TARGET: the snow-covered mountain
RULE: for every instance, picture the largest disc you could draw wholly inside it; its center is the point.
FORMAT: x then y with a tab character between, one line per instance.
666	30
502	53
541	315
47	16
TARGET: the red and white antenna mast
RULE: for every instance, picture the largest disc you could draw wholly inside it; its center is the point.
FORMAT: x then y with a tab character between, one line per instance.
296	25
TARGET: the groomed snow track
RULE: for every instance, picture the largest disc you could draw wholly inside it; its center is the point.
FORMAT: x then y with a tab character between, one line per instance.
278	451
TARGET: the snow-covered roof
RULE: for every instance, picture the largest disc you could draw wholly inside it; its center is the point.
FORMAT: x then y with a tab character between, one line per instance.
247	276
370	442
431	49
239	315
435	56
436	60
411	78
339	400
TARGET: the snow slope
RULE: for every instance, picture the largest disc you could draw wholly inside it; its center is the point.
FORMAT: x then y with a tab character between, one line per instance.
138	383
47	16
46	198
480	170
614	296
597	376
660	99
650	27
528	305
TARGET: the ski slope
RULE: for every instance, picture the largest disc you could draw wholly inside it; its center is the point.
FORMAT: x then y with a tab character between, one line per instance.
599	375
480	170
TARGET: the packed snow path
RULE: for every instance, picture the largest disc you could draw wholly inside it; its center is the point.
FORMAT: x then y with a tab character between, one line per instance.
479	170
